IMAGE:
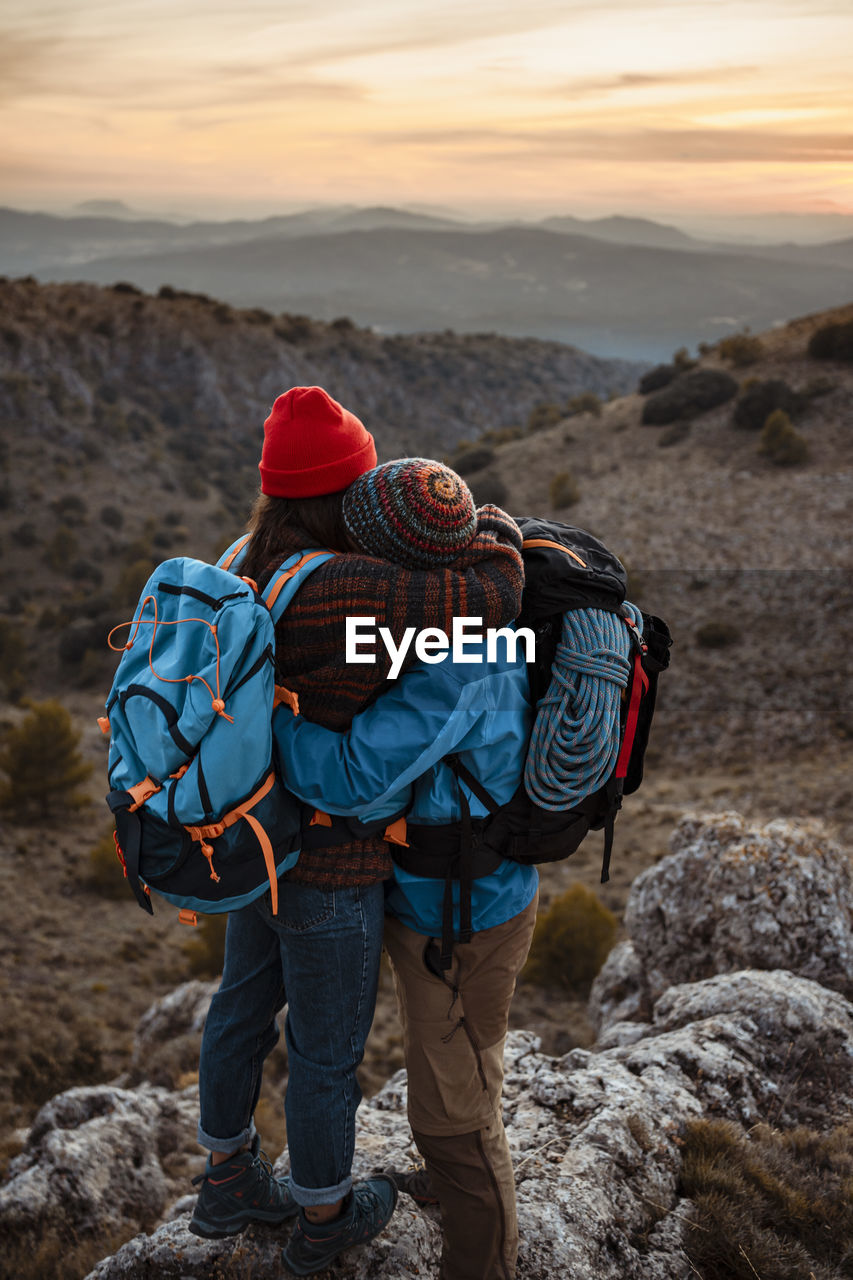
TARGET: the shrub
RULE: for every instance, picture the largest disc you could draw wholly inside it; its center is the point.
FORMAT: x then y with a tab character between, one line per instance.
473	459
563	490
123	286
740	349
111	516
130	583
544	415
70	507
586	402
832	342
13	657
689	394
571	941
105	872
768	1203
42	761
781	443
294	328
223	314
760	399
26	534
168	292
489	489
683	360
84	570
717	635
205	950
342	324
61	548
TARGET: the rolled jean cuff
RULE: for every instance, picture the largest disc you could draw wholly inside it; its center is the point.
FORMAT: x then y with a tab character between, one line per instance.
226	1145
309	1197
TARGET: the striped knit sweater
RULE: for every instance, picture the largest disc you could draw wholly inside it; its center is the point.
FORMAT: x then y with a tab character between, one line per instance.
485	582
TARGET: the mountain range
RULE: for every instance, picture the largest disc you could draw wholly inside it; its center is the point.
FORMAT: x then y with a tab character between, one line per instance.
616	286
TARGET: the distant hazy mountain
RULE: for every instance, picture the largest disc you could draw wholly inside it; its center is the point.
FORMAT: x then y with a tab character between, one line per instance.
620	230
616	286
608	298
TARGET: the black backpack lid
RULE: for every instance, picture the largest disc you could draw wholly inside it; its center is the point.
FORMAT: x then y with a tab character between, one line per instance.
567	568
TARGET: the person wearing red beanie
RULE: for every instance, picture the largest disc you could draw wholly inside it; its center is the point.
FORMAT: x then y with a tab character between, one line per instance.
321	952
312	445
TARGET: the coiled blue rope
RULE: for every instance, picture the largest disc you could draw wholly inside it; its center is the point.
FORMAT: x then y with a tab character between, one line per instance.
575	740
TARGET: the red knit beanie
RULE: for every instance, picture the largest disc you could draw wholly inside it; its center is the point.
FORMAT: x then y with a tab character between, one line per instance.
312	445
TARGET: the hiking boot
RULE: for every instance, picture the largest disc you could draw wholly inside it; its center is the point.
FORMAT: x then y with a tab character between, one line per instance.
239	1191
365	1211
416	1183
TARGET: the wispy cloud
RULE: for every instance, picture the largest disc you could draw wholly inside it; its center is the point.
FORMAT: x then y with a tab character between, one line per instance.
656	80
683	146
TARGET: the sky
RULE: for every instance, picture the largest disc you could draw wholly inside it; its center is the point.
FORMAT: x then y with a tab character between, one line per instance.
670	109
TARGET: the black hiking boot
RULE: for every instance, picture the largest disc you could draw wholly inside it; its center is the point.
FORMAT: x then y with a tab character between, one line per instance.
365	1211
239	1191
415	1183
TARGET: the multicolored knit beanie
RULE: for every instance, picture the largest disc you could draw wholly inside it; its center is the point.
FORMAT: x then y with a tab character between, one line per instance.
413	512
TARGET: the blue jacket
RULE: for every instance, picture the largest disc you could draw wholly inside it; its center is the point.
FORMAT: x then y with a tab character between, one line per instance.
391	759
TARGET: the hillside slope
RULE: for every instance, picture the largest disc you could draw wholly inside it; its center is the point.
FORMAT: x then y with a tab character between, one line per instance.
717	535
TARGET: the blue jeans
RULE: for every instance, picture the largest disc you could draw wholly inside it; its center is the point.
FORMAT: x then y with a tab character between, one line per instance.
320	956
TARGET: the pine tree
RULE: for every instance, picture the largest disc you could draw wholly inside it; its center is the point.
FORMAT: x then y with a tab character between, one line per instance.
42	761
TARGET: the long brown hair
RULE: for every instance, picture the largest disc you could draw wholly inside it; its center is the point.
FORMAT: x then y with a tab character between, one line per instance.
281	525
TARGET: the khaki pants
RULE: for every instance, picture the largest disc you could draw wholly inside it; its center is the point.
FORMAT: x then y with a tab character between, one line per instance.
454	1027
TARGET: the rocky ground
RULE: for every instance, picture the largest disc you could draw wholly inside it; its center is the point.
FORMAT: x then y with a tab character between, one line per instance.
752	1025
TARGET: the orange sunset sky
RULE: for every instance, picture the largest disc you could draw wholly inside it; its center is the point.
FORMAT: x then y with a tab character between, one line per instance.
216	108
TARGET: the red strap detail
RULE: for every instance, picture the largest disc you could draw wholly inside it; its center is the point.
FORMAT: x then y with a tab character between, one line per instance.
639	685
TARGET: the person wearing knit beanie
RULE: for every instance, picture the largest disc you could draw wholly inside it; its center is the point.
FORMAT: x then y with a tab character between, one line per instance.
312	446
412	511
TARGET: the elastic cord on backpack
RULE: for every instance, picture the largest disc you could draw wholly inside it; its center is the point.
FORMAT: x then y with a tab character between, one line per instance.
575	739
216	701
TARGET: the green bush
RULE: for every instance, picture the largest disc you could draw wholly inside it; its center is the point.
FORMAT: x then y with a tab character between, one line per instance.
689	394
205	950
571	941
60	549
781	443
832	342
760	399
768	1203
683	360
586	402
717	635
111	516
105	871
13	657
563	490
544	415
130	583
473	459
657	378
740	349
42	761
489	490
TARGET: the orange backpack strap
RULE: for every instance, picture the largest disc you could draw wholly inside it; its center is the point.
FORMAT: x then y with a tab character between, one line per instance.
226	561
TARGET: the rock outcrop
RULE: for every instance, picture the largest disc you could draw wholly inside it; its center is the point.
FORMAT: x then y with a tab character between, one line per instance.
596	1135
98	1162
731	895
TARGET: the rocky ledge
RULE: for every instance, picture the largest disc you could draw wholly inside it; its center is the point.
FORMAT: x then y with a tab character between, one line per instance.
715	1007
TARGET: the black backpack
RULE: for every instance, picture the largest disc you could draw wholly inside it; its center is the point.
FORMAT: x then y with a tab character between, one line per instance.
565	569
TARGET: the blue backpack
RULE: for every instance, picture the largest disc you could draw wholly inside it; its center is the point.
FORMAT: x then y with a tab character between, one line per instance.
201	816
